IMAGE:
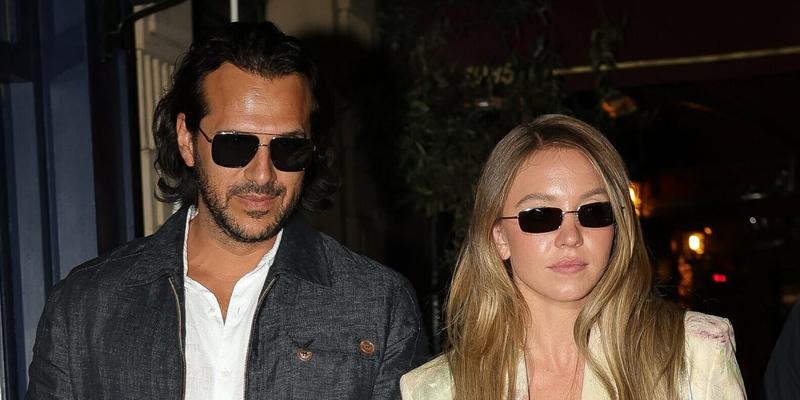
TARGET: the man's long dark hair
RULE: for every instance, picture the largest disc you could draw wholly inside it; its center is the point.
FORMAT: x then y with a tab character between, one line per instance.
258	48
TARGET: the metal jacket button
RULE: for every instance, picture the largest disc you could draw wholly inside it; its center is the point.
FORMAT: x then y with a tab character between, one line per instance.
304	354
366	347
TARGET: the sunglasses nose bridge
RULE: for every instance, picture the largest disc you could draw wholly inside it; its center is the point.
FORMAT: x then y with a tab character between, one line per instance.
265	137
260	168
568	233
257	154
564	214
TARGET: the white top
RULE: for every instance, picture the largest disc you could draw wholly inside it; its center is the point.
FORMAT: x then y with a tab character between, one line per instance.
216	350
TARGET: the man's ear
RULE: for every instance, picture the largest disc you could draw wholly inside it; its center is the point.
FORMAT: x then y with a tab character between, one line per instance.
185	142
501	242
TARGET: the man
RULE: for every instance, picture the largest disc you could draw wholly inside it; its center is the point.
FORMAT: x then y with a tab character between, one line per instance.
782	377
235	296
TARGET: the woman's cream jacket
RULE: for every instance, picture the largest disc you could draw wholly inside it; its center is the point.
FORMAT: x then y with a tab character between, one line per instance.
712	372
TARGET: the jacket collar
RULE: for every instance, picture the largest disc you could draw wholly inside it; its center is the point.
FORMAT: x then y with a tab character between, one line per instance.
301	253
159	254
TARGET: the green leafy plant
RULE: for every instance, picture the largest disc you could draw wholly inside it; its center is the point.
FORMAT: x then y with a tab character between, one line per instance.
452	114
449	113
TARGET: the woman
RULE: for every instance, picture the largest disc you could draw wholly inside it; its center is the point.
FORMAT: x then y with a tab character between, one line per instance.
552	295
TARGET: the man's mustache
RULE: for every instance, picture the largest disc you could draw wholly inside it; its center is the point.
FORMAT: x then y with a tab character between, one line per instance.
269	189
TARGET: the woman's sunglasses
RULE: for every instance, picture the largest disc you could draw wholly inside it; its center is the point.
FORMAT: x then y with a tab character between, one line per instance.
236	149
548	219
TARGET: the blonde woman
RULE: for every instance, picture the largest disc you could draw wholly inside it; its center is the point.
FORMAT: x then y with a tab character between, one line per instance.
552	295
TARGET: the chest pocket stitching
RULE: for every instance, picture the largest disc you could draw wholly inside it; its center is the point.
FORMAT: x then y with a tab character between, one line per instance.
334	355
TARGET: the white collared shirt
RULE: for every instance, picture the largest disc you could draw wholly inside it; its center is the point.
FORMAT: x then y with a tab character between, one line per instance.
216	350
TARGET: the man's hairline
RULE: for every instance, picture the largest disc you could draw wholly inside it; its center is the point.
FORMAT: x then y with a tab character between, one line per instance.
204	93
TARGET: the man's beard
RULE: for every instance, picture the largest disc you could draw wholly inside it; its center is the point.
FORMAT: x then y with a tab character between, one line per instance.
225	220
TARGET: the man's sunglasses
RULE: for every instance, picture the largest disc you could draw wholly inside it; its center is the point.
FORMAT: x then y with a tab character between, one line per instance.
548	219
236	149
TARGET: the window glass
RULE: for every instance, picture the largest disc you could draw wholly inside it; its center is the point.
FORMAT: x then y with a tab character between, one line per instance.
7	21
4	261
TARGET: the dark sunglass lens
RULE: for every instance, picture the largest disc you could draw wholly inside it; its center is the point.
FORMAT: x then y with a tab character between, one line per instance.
233	150
540	220
596	215
291	154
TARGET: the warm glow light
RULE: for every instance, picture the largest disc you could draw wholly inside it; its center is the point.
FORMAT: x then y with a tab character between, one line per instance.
697	243
634	190
719	278
694	242
619	106
708	230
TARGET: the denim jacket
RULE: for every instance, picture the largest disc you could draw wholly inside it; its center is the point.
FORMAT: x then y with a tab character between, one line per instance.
330	324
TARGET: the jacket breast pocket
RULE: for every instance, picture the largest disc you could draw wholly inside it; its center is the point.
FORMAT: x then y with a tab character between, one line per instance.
337	364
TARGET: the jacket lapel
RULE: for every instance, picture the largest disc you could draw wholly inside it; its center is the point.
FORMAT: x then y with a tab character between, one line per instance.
160	254
593	389
302	253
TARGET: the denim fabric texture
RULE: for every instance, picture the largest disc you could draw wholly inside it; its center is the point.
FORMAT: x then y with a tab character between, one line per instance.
332	325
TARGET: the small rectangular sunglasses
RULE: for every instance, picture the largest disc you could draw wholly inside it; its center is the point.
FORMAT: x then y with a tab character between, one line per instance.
233	149
548	219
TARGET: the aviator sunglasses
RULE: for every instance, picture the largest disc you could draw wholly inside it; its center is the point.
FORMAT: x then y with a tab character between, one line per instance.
233	149
548	219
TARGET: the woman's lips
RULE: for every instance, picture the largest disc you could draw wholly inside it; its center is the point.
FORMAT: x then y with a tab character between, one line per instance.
569	266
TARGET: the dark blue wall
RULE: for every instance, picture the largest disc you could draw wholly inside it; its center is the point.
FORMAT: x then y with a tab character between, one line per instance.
67	162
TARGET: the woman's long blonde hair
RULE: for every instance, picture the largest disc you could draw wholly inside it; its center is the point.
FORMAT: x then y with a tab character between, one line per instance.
486	317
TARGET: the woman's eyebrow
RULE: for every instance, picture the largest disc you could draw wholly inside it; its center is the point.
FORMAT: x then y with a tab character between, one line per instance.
535	196
547	197
593	192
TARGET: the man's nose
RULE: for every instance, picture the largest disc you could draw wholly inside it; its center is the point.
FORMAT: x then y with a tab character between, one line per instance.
260	169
